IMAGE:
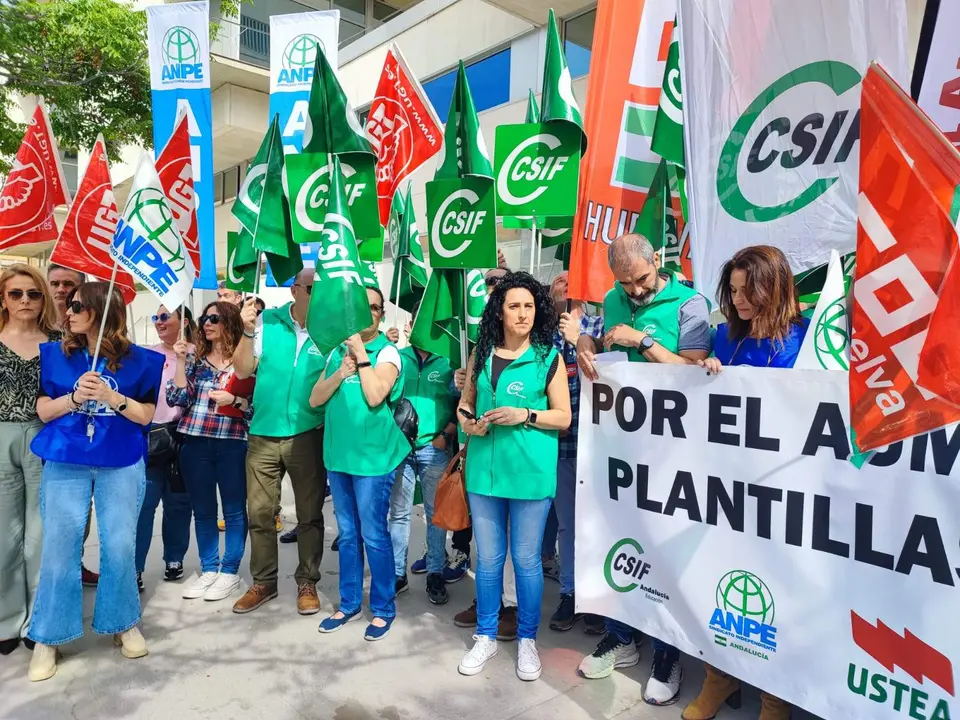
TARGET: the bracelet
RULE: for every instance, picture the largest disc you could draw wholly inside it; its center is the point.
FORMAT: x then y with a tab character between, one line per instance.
363	365
73	400
249	335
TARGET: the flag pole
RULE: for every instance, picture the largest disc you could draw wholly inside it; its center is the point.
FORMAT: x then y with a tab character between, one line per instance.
396	303
132	322
106	309
533	242
464	335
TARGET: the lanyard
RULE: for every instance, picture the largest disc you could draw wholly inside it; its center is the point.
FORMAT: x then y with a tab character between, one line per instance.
770	357
90	406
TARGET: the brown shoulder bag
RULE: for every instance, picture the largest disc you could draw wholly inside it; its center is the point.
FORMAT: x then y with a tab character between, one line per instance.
450	508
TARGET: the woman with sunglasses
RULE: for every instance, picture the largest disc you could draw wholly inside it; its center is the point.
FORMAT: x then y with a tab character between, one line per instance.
164	480
93	443
362	449
28	317
214	447
764	328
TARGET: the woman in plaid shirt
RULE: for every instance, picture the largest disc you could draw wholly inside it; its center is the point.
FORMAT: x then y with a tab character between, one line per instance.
214	449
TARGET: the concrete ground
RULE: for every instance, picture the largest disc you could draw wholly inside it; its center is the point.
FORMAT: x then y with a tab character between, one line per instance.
206	662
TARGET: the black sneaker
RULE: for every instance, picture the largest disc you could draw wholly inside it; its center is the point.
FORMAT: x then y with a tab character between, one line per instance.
290	536
173	572
437	589
565	617
594	624
140	585
335	545
402	585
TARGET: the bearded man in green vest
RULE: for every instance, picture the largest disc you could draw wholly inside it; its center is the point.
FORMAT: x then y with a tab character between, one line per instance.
653	316
286	436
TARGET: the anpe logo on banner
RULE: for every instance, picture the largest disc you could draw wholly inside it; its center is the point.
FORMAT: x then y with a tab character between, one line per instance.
180	48
809	143
298	59
161	268
745	614
913	657
832	338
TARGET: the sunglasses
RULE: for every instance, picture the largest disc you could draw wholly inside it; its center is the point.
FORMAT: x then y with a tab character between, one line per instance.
17	294
307	288
212	319
260	312
162	317
76	307
493	281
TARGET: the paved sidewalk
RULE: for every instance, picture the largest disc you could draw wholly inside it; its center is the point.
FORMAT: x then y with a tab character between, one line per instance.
205	662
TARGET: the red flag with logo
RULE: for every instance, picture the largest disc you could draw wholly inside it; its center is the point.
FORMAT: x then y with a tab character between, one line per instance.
402	126
84	243
33	188
905	242
175	168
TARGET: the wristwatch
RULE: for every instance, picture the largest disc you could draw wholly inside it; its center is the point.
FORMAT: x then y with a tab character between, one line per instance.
364	364
647	343
122	406
237	403
531	419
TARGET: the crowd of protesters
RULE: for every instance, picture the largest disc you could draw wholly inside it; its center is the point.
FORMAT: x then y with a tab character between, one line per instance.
210	420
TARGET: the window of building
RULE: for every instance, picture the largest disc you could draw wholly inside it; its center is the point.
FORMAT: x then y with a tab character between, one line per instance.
68	161
489	84
578	41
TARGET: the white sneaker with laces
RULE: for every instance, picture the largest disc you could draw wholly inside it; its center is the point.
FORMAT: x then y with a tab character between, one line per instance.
225	585
528	660
663	687
610	654
198	587
483	649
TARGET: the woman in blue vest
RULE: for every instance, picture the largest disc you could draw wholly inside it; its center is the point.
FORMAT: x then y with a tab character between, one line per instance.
514	405
764	328
362	449
93	443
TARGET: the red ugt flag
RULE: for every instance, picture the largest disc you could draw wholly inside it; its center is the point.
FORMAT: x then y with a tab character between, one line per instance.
84	243
175	168
34	187
402	126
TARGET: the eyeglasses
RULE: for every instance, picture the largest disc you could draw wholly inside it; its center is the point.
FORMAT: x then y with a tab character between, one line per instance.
376	308
162	317
76	307
17	294
306	288
212	319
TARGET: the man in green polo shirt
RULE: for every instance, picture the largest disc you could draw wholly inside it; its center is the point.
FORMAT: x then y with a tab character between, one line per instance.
654	317
286	436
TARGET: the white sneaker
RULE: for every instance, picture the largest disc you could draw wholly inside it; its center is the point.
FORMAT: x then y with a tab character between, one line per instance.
473	662
663	687
224	587
198	587
528	660
610	654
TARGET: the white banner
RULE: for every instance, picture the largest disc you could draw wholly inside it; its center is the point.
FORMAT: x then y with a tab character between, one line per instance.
771	122
940	89
720	514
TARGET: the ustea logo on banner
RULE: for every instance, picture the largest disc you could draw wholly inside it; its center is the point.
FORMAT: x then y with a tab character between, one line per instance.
901	654
298	58
625	570
180	49
744	615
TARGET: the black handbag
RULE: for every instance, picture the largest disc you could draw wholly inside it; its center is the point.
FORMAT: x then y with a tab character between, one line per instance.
162	445
406	418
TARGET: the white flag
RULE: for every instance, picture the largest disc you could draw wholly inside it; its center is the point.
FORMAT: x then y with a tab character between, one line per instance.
147	242
827	342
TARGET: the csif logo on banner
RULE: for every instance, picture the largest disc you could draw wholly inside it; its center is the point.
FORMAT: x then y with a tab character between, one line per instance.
180	49
802	139
298	59
310	205
530	173
625	570
537	169
744	614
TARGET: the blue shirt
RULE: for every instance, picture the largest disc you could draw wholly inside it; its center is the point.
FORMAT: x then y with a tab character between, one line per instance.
760	353
117	441
592	326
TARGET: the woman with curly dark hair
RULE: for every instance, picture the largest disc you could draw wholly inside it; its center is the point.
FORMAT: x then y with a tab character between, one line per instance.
213	450
93	443
514	405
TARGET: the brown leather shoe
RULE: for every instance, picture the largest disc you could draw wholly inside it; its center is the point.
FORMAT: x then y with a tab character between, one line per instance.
507	628
466	618
307	601
253	598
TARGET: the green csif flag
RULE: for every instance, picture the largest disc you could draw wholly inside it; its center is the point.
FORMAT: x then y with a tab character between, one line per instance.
526	223
338	302
409	270
558	101
241	261
463	151
332	126
437	327
667	139
533	112
368	273
657	222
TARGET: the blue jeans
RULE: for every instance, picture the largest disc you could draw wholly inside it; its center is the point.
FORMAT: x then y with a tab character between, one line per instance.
65	492
176	517
526	518
566	506
360	505
427	463
626	634
207	465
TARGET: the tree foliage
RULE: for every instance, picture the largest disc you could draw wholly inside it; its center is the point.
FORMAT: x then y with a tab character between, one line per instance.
88	59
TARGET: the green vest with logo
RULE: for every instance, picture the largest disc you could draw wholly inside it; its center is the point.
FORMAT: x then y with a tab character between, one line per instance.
515	462
428	387
281	397
358	439
659	319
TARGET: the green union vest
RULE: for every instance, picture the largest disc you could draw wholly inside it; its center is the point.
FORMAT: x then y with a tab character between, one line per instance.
428	387
515	462
358	439
658	319
281	397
